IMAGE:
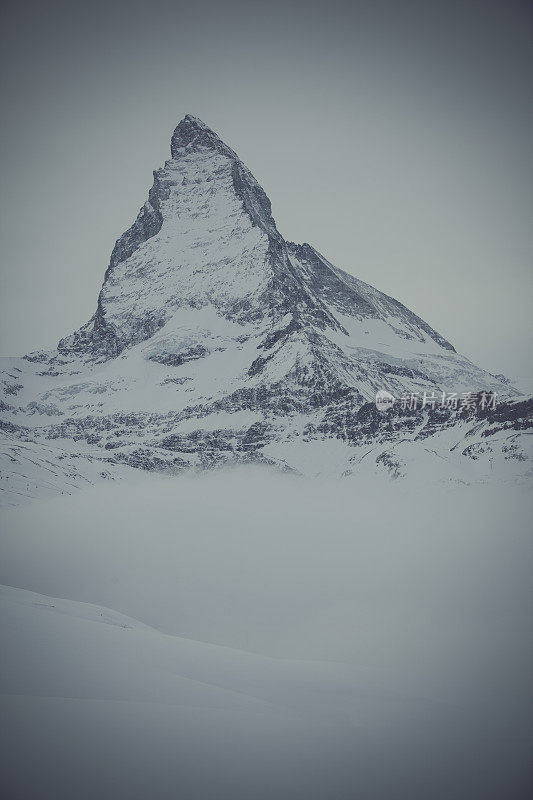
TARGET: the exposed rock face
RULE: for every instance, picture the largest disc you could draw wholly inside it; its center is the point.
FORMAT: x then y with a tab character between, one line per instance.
216	341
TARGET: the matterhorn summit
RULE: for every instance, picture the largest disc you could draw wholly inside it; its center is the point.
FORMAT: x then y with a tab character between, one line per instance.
215	342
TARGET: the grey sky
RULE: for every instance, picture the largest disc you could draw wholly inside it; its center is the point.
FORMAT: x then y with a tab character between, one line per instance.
393	136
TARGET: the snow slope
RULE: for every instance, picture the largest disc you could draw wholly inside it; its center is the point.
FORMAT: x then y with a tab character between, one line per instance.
251	635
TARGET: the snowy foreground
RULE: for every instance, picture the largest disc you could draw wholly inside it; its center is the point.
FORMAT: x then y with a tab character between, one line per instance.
249	636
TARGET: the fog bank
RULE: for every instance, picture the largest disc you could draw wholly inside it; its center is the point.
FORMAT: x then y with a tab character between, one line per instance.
284	638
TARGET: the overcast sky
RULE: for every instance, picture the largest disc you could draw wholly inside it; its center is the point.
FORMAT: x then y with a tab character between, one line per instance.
393	136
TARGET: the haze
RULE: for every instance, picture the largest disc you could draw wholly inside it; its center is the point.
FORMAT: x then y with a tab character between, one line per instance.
394	137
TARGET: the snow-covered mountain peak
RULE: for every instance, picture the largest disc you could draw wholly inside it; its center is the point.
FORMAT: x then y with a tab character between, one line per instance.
192	132
202	237
215	340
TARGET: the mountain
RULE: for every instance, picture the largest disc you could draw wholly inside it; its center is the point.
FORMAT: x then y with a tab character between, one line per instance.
215	341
